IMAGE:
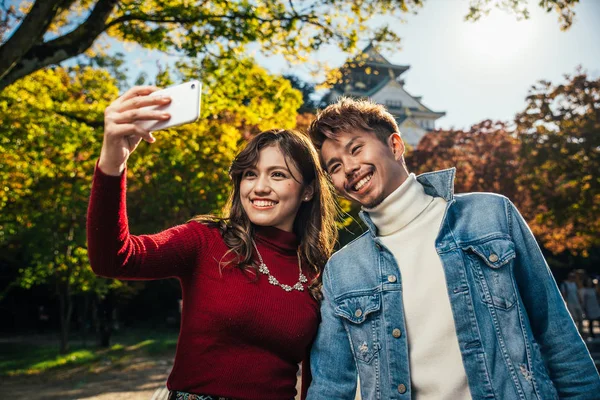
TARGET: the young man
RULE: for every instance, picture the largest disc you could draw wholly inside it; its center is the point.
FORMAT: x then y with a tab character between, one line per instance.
445	296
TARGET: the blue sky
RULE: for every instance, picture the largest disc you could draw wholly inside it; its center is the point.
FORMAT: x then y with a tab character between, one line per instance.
472	71
475	71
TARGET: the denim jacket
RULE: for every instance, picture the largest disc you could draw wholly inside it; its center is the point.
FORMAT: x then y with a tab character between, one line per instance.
516	337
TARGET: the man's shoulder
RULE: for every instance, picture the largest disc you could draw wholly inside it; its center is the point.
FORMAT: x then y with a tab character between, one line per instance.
352	257
480	196
476	215
356	246
484	201
353	268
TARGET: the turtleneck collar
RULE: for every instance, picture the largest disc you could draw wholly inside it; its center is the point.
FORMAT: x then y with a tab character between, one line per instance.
400	208
277	239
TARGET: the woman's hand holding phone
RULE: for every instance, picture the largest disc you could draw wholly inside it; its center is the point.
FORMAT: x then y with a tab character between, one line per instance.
122	129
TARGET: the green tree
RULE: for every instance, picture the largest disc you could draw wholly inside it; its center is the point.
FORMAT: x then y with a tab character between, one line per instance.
42	33
53	123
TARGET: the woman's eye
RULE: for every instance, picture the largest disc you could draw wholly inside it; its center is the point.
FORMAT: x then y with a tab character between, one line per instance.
248	174
355	149
278	175
334	169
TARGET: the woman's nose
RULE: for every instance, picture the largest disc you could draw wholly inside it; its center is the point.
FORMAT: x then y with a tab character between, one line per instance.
262	185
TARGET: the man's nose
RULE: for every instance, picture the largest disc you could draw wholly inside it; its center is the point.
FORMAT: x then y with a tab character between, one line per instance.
350	167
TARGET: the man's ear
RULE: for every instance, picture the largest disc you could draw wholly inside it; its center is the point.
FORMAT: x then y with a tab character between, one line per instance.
396	145
309	192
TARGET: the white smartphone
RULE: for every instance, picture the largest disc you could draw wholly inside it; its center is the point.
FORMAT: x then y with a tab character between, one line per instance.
184	106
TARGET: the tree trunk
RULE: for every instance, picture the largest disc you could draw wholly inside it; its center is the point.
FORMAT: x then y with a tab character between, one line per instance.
105	311
65	305
65	298
84	318
29	32
23	55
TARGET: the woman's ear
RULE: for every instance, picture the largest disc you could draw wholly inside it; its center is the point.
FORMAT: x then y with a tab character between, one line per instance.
396	145
309	192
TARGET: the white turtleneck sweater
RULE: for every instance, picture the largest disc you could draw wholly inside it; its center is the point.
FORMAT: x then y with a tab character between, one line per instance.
408	222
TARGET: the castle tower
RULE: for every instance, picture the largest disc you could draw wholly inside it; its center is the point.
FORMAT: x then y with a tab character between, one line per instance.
370	75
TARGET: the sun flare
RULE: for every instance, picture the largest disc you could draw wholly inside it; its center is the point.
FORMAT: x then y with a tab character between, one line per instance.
498	37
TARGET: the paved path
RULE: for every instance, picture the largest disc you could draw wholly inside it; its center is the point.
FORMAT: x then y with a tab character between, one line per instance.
138	380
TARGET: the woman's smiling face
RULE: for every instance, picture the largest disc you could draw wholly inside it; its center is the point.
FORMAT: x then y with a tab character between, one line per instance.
272	191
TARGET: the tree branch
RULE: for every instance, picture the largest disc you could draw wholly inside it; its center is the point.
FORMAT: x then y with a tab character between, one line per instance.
61	48
163	20
30	32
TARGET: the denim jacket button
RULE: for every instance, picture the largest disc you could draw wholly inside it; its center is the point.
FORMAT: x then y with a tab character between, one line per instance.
391	278
402	388
396	333
358	313
493	257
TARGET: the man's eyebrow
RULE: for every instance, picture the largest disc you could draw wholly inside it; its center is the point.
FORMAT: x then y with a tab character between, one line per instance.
330	162
350	143
346	148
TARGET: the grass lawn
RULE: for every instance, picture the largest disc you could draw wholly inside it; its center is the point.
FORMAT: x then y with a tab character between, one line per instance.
26	357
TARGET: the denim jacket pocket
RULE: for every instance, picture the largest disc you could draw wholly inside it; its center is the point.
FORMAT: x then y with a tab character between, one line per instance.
361	319
492	262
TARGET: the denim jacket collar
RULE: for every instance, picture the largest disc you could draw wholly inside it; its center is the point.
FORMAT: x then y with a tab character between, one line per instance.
436	184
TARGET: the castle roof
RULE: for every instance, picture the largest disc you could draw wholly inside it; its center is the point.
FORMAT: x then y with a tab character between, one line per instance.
372	58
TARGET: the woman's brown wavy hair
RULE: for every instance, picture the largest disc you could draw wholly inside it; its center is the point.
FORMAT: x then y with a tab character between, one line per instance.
315	222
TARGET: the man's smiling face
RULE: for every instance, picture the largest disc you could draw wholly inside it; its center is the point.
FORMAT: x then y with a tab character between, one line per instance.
362	167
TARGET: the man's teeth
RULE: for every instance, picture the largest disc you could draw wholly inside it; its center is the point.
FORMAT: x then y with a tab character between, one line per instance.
263	203
362	182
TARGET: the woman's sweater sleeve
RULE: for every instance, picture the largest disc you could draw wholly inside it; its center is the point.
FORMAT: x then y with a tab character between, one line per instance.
115	253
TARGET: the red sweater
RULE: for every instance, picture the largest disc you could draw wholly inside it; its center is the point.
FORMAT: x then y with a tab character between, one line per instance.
239	337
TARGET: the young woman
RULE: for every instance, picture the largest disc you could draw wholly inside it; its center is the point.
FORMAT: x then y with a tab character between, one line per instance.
250	280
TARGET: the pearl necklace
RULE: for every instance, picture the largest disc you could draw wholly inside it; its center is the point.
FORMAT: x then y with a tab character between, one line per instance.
262	268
